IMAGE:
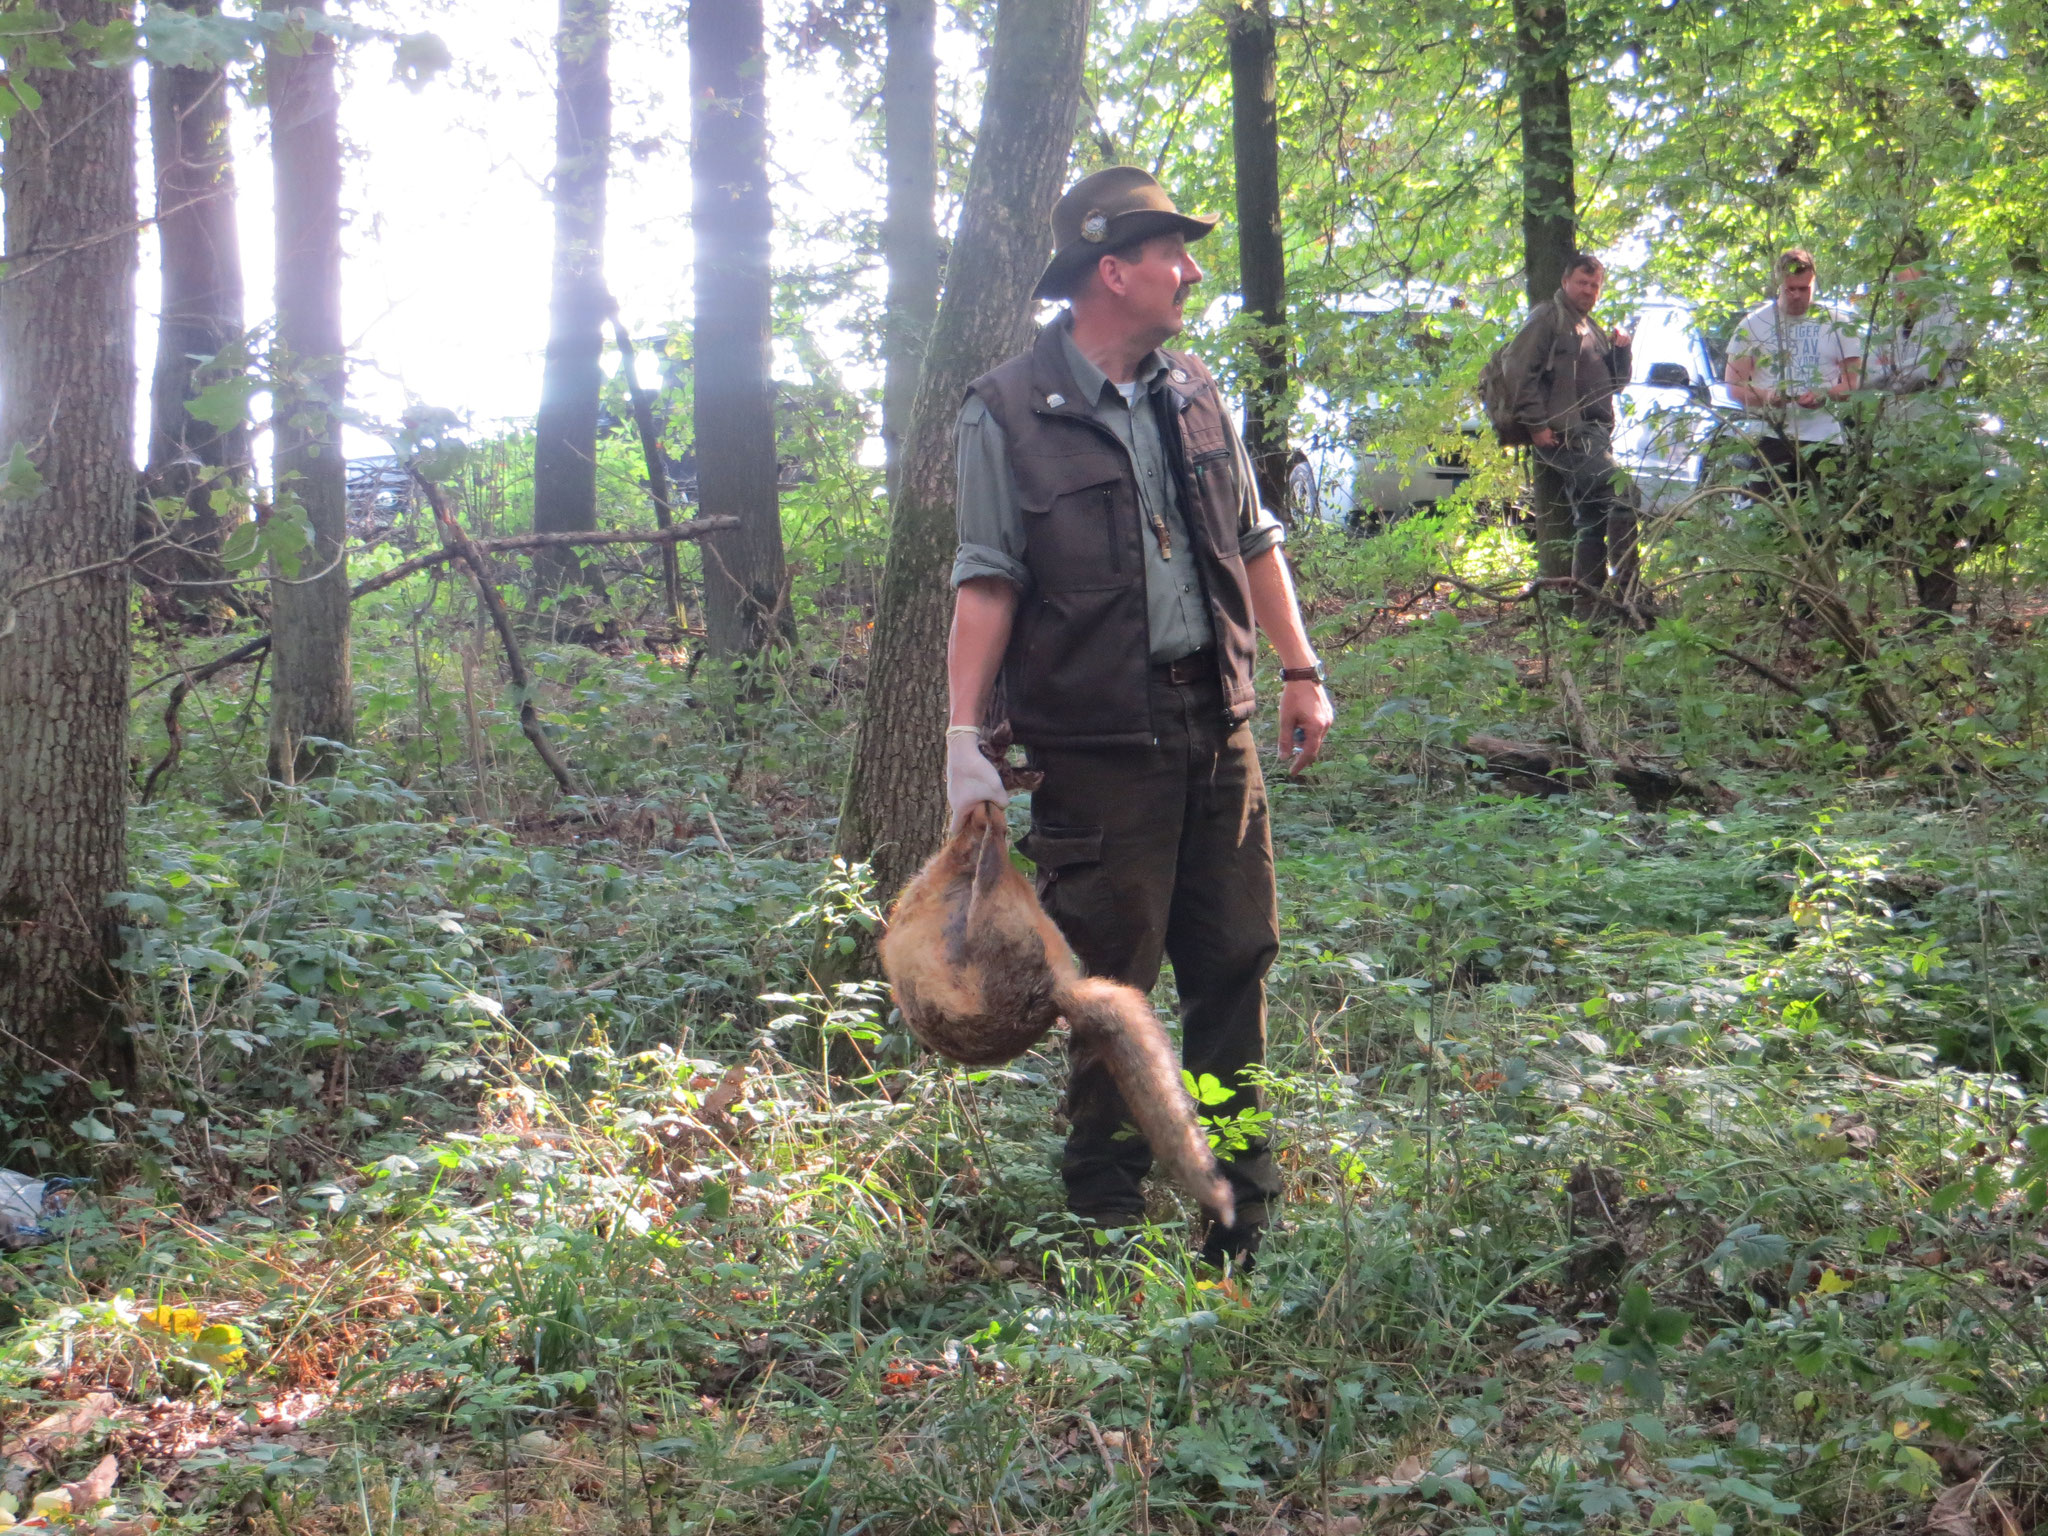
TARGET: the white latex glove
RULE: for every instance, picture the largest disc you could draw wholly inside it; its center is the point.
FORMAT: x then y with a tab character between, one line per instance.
970	778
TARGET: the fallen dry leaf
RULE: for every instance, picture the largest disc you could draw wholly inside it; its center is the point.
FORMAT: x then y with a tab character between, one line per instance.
60	1431
731	1088
1971	1509
96	1487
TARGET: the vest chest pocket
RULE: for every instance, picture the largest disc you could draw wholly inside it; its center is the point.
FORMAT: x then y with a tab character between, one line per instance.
1073	528
1214	479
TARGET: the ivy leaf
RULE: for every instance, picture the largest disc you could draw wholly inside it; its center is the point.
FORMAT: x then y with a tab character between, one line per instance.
20	481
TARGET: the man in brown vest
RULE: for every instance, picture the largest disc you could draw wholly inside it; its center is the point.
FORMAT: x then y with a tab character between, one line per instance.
1114	562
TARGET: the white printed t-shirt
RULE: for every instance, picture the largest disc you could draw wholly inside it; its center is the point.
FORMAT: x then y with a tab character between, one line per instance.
1808	353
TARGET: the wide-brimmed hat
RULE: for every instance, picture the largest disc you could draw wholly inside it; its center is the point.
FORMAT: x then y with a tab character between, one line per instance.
1110	211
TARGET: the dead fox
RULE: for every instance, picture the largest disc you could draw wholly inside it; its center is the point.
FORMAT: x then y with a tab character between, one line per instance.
981	975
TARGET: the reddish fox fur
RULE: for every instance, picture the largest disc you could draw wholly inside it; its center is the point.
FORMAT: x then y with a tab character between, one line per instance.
982	975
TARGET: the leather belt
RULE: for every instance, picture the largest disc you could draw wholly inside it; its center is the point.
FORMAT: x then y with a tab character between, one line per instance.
1195	667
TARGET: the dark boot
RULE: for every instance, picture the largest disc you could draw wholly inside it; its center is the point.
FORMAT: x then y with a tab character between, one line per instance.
1235	1247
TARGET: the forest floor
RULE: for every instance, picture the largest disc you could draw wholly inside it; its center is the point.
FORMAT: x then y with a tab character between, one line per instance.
1674	1169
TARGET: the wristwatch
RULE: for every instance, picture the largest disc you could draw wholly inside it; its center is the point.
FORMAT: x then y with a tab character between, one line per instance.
1312	673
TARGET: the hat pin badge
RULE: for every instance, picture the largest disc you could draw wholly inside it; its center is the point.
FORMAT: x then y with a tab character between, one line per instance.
1095	226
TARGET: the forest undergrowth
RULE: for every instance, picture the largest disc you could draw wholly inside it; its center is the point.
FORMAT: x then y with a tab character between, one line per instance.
499	1167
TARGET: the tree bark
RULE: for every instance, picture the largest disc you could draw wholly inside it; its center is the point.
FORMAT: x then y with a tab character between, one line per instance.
67	398
1549	204
565	431
911	247
895	808
192	461
1549	201
745	605
1261	255
310	694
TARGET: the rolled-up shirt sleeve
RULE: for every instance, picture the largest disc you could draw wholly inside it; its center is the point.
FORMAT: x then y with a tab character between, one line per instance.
1258	530
988	511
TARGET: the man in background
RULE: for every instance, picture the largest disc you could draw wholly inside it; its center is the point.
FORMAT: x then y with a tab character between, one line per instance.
1791	363
1932	457
1566	370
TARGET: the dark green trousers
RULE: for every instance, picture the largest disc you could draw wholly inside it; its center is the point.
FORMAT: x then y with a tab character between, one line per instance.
1163	852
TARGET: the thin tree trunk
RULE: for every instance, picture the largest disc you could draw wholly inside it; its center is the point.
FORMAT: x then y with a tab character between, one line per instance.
745	604
1549	204
1549	201
67	400
651	455
565	432
1261	256
310	680
910	234
895	808
192	461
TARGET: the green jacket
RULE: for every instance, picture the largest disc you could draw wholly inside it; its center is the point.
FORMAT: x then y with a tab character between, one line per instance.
1542	361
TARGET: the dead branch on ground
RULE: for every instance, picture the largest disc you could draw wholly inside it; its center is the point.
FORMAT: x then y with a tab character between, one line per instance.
188	678
459	543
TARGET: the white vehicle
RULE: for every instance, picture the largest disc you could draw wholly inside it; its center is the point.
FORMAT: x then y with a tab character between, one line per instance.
1350	468
1673	409
1666	417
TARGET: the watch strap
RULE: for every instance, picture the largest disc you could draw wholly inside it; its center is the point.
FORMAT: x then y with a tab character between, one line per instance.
1309	674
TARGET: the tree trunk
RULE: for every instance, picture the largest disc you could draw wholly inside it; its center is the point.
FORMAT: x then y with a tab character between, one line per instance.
1261	257
67	399
565	432
1549	204
895	808
745	605
192	461
309	676
910	234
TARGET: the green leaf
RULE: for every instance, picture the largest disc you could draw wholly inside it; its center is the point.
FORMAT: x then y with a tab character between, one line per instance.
20	481
142	904
1668	1325
89	1129
224	404
419	58
242	548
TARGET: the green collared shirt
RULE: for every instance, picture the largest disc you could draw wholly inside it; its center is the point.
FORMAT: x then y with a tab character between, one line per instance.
990	513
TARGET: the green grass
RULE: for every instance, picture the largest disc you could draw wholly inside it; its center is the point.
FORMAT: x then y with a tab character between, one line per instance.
1674	1170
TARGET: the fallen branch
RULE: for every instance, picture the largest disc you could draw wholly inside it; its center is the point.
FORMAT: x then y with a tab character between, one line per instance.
188	678
1647	784
696	528
1526	767
462	547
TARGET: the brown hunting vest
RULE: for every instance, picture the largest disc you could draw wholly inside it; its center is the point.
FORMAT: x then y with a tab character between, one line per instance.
1076	673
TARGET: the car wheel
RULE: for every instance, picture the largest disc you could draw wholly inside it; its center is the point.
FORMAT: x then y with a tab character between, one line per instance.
1304	495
